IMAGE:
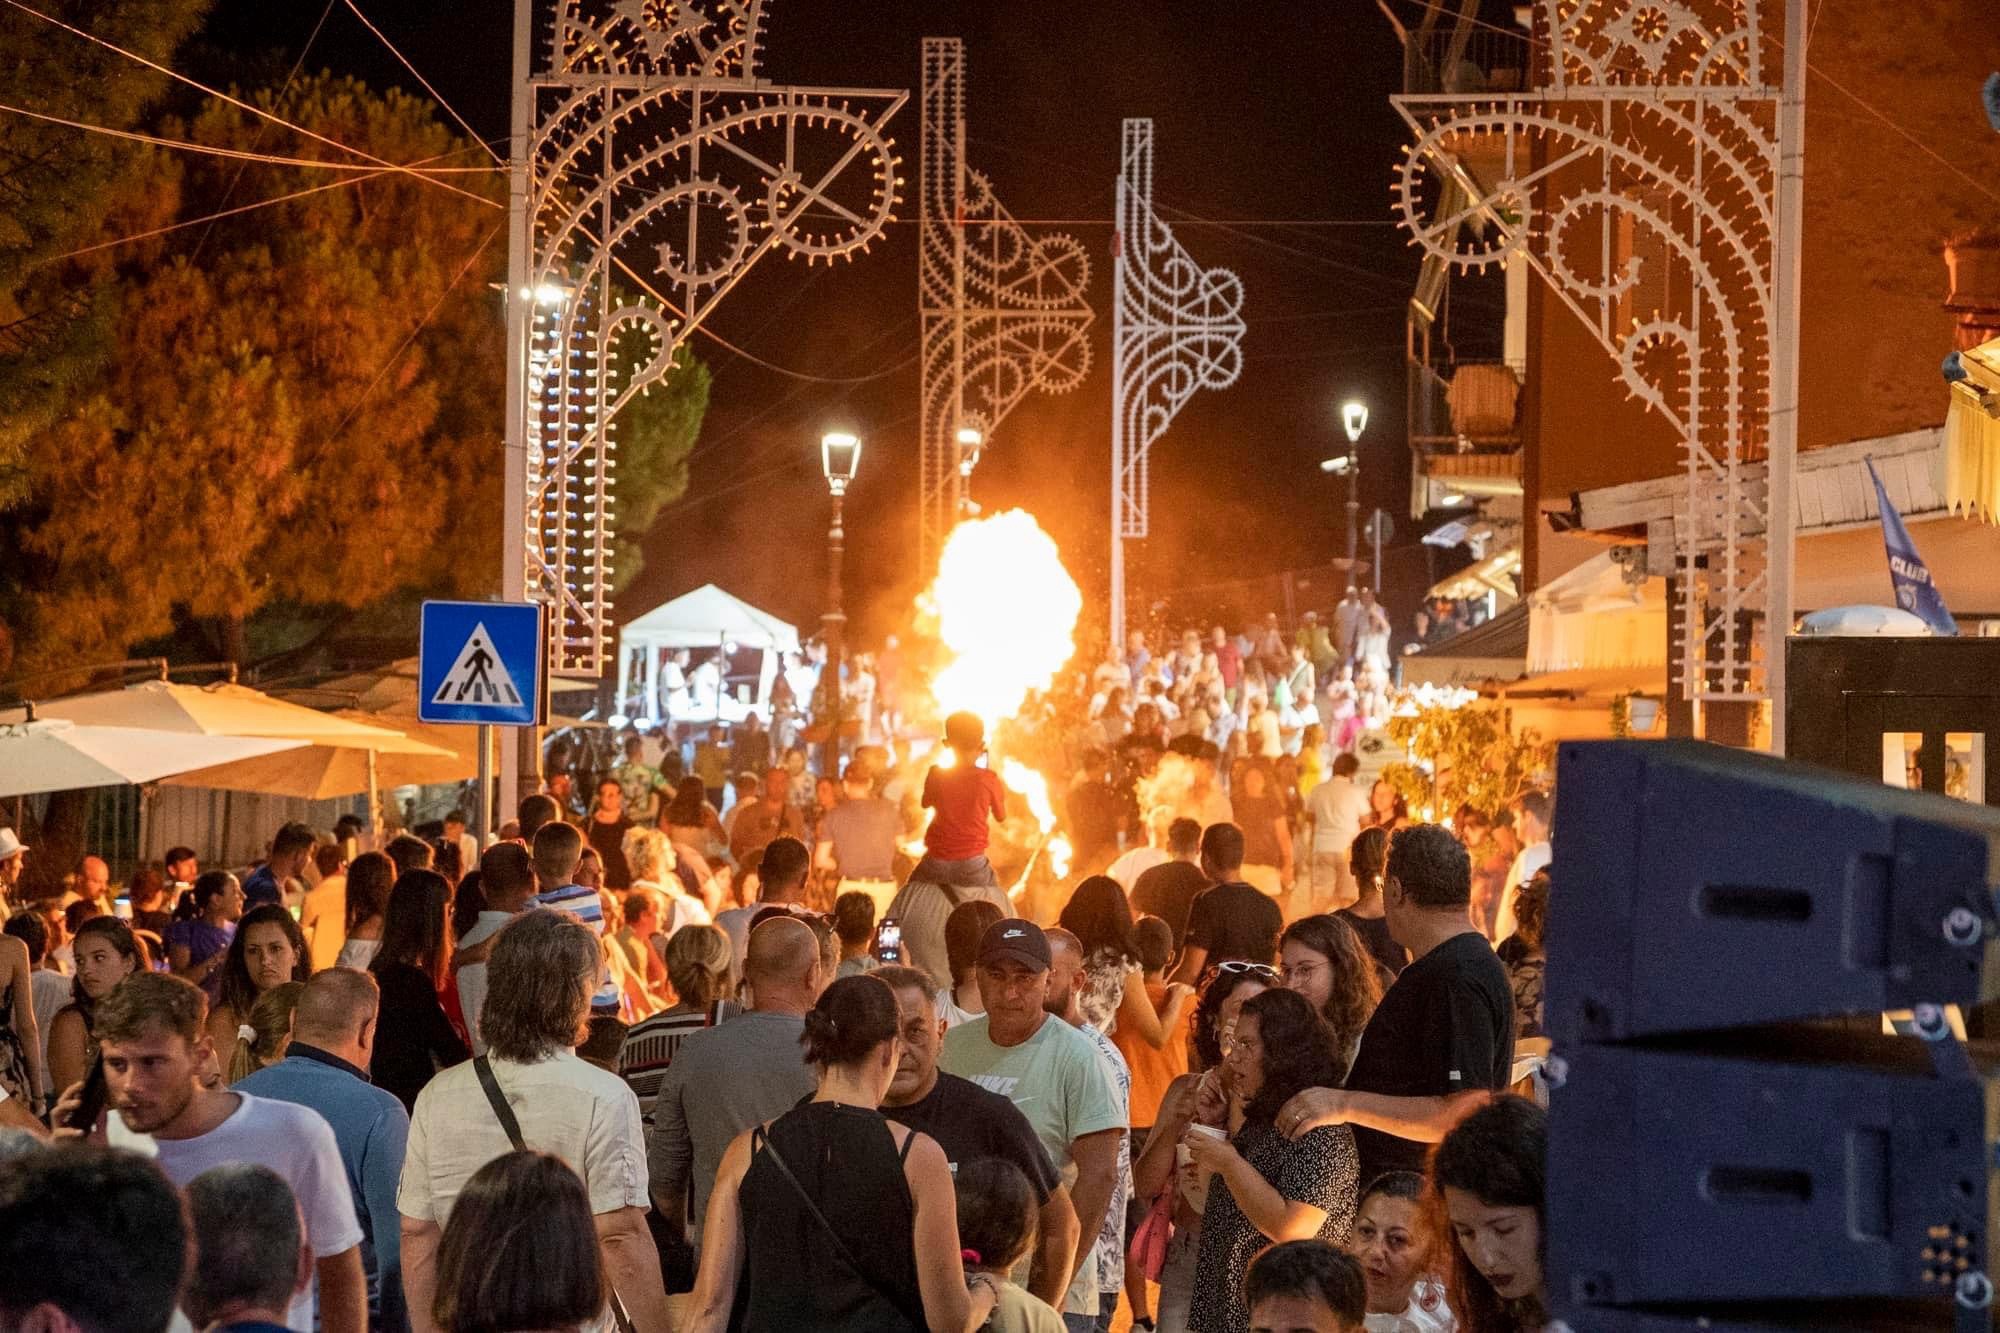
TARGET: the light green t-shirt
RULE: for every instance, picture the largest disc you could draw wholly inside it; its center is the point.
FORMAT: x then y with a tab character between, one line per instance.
1059	1082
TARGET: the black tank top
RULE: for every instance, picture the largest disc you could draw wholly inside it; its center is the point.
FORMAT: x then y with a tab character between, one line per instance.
795	1276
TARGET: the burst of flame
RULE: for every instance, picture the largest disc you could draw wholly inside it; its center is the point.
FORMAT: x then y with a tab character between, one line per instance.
1006	611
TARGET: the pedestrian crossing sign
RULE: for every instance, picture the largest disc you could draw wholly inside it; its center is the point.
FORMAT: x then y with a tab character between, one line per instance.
481	662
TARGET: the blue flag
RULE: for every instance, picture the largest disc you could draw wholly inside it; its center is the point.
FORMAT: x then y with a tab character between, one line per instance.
1915	592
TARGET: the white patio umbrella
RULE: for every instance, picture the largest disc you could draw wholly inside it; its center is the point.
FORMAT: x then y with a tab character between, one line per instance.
55	754
310	770
317	771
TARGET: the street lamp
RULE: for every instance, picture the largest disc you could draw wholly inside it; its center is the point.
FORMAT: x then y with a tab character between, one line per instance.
1353	419
839	460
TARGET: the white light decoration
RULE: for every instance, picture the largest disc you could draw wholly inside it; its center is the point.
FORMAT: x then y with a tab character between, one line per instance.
1651	179
1003	312
660	167
1176	328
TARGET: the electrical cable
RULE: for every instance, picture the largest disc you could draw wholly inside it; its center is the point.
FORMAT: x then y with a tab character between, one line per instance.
435	95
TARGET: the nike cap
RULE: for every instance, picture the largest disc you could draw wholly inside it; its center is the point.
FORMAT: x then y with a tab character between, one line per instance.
1015	940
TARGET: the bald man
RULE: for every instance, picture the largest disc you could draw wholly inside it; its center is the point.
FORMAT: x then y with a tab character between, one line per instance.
333	1035
93	881
725	1079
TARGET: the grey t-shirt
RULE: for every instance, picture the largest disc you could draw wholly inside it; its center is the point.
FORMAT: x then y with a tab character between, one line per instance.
723	1080
863	833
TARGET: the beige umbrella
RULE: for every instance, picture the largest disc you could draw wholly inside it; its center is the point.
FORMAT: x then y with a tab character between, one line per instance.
334	758
320	772
55	754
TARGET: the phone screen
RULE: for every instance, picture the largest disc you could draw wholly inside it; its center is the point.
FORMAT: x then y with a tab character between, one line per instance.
889	940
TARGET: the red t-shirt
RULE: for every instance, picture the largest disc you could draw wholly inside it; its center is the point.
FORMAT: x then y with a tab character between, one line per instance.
962	796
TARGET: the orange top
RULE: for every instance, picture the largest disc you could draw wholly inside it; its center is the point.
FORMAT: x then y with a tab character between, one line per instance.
1153	1070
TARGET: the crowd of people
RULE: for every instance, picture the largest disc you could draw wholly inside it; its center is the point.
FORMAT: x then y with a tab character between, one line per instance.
694	1059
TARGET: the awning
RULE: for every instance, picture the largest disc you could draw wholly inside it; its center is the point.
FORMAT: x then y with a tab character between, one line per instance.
1596	617
705	617
1972	436
1493	574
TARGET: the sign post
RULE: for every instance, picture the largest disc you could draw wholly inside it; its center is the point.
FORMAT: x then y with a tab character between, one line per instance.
483	663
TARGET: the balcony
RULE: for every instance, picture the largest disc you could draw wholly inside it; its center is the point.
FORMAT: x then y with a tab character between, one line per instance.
1453	54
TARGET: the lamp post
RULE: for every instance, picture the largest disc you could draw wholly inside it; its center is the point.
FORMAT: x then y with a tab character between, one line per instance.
839	459
971	442
1354	419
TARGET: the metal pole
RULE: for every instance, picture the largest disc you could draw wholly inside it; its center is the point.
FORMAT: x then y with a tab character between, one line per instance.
1376	571
1788	247
1353	509
521	760
833	627
483	824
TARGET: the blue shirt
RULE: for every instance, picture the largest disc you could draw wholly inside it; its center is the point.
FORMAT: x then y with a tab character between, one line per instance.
262	887
370	1127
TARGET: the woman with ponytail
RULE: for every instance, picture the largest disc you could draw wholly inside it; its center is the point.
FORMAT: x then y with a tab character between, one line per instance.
261	1039
832	1217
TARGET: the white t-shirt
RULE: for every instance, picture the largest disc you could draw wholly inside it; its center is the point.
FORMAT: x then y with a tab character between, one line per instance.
1127	868
298	1144
472	977
1336	808
1531	859
587	1116
948	1009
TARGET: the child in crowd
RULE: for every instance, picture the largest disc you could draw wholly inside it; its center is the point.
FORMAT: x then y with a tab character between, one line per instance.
996	1225
962	797
1304	1286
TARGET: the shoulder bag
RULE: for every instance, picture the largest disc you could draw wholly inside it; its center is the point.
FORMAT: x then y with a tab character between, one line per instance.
509	1122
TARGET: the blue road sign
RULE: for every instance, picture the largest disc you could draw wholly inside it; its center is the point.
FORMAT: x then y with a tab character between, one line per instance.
481	662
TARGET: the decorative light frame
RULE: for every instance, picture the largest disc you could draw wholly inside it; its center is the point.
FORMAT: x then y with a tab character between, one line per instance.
1176	328
1659	123
1003	312
660	168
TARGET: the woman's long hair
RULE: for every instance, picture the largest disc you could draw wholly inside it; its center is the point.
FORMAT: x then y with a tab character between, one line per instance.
1499	1155
120	937
520	1250
1299	1052
690	799
238	992
1356	988
370	877
270	1025
1100	917
414	929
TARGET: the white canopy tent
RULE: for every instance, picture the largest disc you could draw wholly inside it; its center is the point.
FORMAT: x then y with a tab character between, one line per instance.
708	617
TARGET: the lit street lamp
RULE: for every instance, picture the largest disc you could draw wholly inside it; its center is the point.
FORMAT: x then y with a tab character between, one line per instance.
839	460
971	441
1354	419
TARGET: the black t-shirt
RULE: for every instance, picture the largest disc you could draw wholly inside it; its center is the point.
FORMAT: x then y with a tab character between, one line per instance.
1375	937
1258	818
1168	892
1235	922
1094	811
1446	1026
609	840
970	1123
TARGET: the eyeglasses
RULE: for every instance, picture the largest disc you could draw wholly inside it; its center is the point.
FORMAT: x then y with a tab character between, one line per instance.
1300	971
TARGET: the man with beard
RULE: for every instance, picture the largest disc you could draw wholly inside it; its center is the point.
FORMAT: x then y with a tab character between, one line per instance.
152	1034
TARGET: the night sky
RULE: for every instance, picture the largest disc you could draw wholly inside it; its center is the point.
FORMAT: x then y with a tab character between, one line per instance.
1271	121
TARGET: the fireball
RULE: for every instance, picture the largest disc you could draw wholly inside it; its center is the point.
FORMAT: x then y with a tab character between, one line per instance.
1006	615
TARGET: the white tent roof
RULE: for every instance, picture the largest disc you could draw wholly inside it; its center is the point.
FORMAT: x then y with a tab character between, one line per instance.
704	618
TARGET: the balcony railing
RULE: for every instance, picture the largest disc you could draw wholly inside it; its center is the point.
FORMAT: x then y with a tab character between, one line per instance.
1458	56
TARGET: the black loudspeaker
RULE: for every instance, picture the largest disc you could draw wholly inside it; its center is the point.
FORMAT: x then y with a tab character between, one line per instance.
1703	888
1733	1141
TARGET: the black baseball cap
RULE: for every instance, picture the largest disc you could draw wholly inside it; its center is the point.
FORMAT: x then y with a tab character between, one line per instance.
1015	940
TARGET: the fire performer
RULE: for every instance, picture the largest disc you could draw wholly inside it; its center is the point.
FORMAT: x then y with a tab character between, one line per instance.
962	796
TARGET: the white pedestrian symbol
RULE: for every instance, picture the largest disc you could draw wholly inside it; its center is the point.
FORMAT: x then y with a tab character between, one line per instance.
478	676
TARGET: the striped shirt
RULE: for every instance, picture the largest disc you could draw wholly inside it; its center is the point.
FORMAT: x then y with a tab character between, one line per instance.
650	1046
587	907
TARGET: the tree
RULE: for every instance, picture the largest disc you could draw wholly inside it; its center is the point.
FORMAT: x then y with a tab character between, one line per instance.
305	407
59	188
1465	755
656	434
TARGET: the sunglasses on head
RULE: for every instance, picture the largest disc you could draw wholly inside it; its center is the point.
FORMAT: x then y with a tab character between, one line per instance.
1235	967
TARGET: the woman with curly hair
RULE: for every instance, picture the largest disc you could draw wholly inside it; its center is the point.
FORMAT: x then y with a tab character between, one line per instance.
1268	1188
267	950
1323	959
1489	1179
